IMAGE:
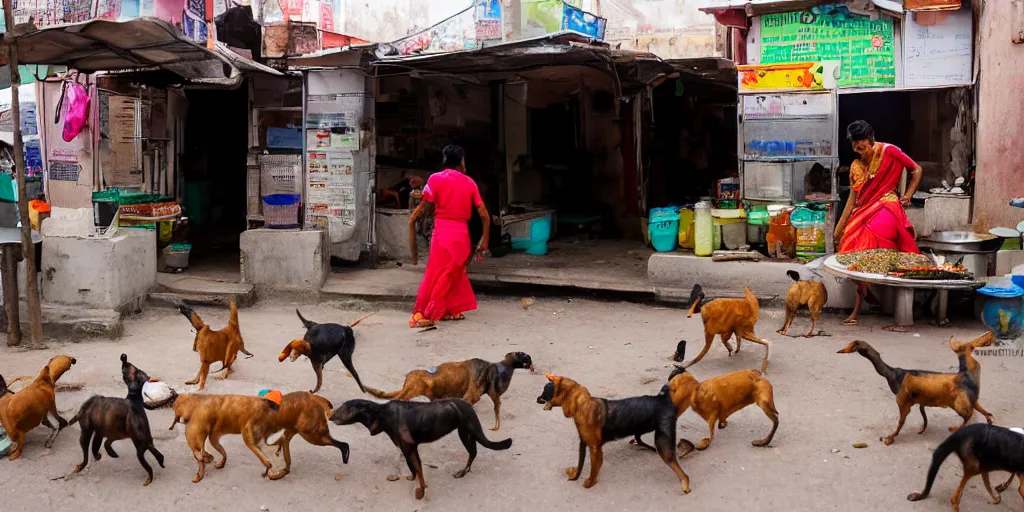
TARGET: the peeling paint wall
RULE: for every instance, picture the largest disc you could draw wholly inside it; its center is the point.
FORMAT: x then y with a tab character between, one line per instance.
389	20
1000	142
670	29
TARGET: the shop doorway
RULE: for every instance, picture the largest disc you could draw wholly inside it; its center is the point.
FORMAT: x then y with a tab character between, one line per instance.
213	180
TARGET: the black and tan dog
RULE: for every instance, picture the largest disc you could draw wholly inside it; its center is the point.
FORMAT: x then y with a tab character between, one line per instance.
118	418
469	380
804	293
410	424
213	416
717	398
600	421
981	449
321	343
213	346
958	391
28	408
305	414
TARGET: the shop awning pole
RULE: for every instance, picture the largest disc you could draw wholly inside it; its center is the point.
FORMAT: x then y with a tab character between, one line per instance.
28	249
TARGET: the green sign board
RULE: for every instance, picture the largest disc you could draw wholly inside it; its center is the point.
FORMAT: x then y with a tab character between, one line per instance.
862	45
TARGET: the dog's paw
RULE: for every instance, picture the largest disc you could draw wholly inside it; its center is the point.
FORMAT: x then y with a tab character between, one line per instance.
915	496
887	440
277	475
419	493
685	487
147	482
722	424
196	479
79	468
588	483
460	473
572	473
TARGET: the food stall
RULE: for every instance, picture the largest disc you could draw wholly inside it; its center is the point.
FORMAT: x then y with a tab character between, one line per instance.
788	152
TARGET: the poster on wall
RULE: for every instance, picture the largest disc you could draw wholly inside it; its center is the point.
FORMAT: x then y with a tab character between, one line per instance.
488	22
937	49
578	20
865	47
801	76
48	13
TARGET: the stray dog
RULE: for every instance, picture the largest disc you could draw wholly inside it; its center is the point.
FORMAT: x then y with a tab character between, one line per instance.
321	343
599	421
727	317
213	416
213	346
28	408
981	449
410	424
469	380
718	398
118	418
958	391
804	293
305	414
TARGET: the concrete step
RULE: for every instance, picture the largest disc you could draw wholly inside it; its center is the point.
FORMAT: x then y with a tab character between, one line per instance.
179	288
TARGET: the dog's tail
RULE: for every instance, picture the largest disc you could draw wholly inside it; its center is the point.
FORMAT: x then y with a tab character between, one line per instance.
472	422
233	319
941	453
384	395
793	274
353	324
306	323
193	317
751	302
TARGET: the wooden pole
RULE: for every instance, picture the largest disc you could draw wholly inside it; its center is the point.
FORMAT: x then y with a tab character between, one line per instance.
11	302
27	247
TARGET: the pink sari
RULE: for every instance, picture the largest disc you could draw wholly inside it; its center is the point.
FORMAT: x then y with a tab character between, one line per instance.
445	289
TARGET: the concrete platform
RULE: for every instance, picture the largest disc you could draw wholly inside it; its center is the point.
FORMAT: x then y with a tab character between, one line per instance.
73	323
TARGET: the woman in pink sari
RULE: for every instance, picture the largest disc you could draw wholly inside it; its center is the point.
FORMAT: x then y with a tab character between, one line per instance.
445	292
874	217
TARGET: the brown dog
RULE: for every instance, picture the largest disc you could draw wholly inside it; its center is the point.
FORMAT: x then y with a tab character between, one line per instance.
599	421
958	391
804	293
28	408
213	346
213	416
718	398
305	414
725	318
469	380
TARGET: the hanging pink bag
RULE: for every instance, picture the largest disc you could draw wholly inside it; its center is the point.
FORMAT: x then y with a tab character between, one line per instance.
73	107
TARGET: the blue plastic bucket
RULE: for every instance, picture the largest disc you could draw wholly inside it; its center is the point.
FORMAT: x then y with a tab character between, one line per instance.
540	233
664	230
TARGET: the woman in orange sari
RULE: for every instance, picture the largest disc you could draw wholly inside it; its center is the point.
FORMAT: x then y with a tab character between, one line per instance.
445	292
874	217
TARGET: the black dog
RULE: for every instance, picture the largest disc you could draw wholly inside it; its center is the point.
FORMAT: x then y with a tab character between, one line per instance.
410	424
982	448
321	343
118	418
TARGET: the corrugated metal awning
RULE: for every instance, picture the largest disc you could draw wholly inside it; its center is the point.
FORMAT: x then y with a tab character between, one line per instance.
135	45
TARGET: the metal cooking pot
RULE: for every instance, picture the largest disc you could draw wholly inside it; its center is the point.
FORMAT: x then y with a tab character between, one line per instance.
962	242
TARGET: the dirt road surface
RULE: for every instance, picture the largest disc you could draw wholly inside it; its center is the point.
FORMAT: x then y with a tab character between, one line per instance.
827	402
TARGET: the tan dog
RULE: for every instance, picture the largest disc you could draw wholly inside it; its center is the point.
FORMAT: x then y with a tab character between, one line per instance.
213	416
305	414
26	409
716	399
804	293
213	346
958	391
725	318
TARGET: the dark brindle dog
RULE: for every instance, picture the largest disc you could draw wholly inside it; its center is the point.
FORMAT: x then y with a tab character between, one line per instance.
981	448
118	418
410	424
469	380
599	421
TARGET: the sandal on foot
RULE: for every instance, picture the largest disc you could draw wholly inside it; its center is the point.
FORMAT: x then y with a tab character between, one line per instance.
418	321
850	321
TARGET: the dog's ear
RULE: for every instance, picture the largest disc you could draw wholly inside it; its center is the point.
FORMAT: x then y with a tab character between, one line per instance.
273	406
954	345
